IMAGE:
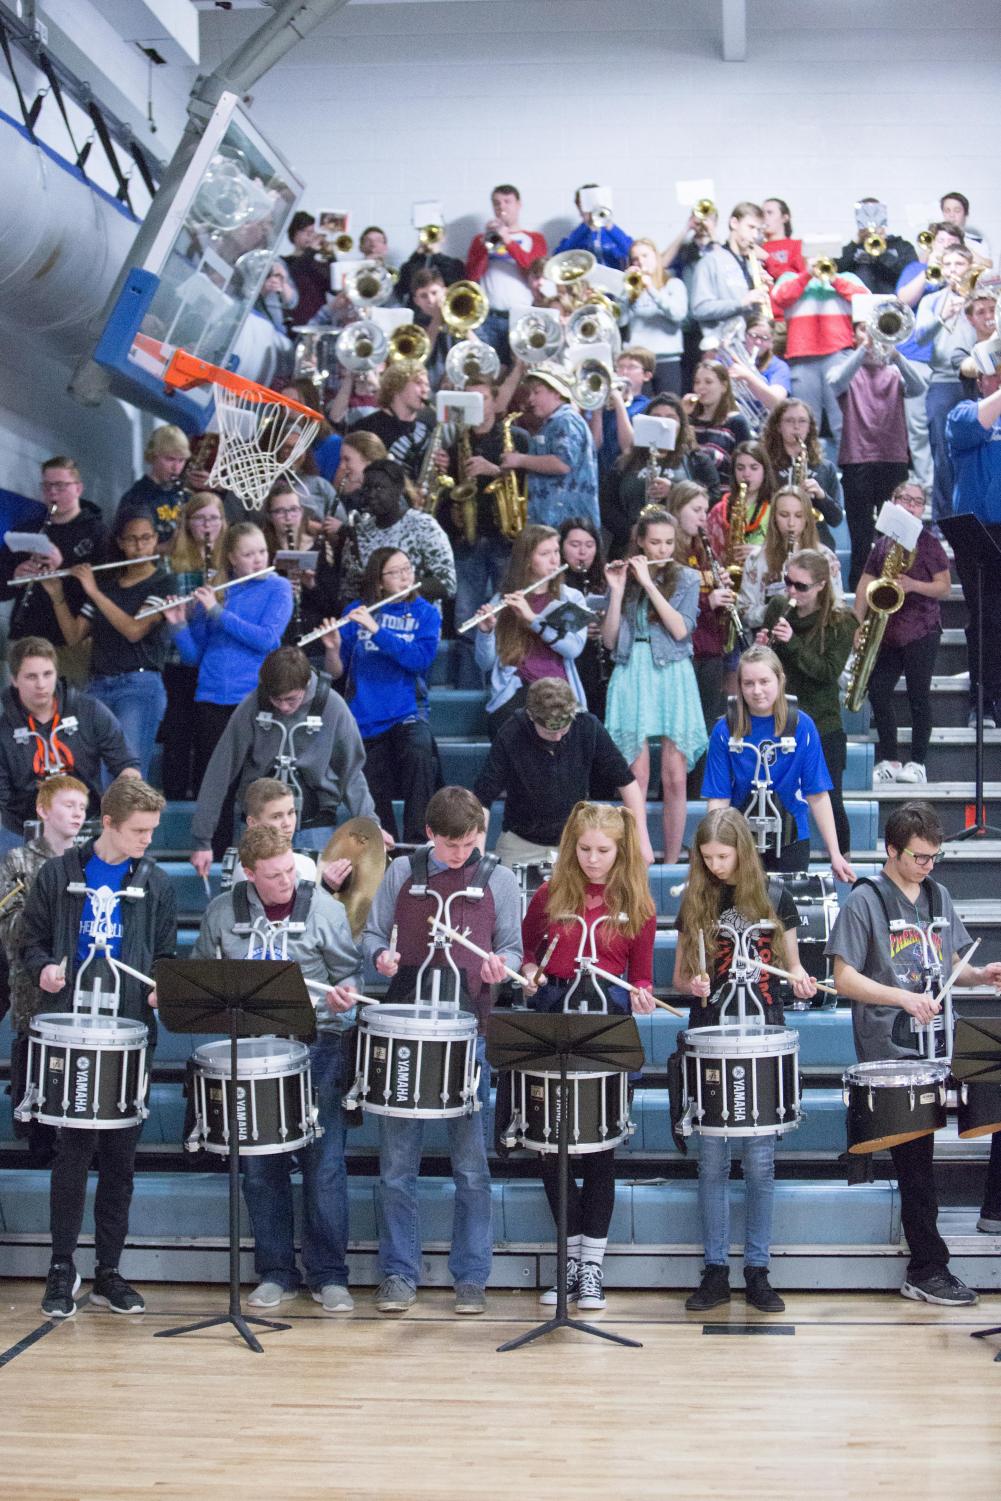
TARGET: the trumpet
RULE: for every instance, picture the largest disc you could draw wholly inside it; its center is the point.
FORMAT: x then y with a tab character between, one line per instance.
493	610
471	360
703	210
361	346
65	573
632	283
925	238
465	308
335	625
874	243
343	243
601	217
934	275
429	236
824	268
180	599
369	284
409	342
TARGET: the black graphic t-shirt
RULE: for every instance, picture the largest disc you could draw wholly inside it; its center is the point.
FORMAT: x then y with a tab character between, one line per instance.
707	1015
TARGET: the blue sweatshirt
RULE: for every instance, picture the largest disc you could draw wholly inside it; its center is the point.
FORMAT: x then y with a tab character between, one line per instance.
976	463
381	670
229	646
610	247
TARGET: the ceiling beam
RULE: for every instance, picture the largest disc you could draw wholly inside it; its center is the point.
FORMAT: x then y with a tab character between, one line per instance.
733	26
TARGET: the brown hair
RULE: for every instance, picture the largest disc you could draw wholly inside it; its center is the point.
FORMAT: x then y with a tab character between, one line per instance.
818	566
726	403
51	788
368	445
128	795
454	812
261	843
60	461
371	588
395	377
29	646
231	537
641	355
756	451
701	903
912	821
772	438
657	275
775	547
284	670
258	794
513	636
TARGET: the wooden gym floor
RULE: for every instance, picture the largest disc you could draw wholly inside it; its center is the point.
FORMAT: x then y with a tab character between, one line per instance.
849	1396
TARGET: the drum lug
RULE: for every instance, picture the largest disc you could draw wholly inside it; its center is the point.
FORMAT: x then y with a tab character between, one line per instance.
193	1140
685	1123
32	1097
477	1102
351	1099
514	1133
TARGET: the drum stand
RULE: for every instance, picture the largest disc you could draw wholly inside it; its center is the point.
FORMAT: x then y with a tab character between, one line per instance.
286	766
544	1042
244	998
763	813
744	972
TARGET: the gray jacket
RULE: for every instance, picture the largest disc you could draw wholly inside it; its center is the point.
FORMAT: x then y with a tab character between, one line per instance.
663	647
330	762
324	951
718	288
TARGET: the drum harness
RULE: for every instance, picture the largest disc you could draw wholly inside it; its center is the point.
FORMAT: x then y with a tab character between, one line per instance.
765	815
267	939
926	1035
51	758
104	904
440	943
586	962
285	768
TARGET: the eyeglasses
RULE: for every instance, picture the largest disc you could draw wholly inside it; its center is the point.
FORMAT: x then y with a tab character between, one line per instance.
397	573
925	861
285	511
799	587
138	539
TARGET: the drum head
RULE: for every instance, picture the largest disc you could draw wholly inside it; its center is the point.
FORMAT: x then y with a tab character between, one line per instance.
256	1056
70	1028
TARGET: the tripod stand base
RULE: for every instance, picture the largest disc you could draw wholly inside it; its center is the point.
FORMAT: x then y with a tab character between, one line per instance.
239	1323
983	1334
563	1322
974	831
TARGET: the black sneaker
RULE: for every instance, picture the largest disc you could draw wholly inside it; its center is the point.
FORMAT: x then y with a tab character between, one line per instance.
989	1222
713	1290
111	1290
940	1287
759	1292
61	1286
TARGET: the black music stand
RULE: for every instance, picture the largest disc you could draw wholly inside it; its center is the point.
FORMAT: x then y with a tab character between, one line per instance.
967	534
239	998
570	1042
976	1059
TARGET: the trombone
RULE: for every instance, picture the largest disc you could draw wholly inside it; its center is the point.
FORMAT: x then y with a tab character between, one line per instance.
493	610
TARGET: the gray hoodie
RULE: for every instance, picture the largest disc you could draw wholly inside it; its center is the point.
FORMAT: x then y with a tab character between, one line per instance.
330	762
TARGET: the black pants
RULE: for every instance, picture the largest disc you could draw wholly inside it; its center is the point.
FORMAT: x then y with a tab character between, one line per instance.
709	677
865	487
966	568
795	856
991	1206
590	1203
210	720
400	763
835	747
179	780
913	1165
116	1155
916	662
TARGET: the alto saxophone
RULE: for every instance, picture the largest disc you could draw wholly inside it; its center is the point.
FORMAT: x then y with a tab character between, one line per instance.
738	535
883	598
430	482
464	494
800	473
510	501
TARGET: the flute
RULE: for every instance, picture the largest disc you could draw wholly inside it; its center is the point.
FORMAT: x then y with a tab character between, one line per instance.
492	610
168	604
65	573
335	625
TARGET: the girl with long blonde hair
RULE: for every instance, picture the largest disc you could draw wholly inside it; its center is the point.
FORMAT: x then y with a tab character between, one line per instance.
600	877
517	645
657	315
728	889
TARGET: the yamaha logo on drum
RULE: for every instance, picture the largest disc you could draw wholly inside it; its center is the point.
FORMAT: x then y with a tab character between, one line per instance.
241	1112
403	1073
81	1085
739	1092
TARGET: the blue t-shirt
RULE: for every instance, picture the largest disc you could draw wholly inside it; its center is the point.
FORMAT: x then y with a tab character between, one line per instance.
915	348
103	878
976	463
795	773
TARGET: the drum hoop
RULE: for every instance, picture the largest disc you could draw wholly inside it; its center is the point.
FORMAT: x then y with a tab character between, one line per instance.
894	1073
572	1078
729	1042
403	1023
286	1059
67	1029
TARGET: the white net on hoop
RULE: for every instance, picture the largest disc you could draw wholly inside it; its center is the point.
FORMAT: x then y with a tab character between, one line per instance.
258	441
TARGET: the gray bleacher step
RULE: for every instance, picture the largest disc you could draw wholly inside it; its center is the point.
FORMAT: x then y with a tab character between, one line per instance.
951	752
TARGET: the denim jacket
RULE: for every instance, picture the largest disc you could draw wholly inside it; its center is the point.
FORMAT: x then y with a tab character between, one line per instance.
663	647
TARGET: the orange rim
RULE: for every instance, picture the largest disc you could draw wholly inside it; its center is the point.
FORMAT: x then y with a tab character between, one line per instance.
186	370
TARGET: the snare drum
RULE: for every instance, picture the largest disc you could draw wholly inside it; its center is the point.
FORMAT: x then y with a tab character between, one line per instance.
816	901
892	1101
416	1064
978	1109
275	1110
741	1082
530	876
87	1072
598	1112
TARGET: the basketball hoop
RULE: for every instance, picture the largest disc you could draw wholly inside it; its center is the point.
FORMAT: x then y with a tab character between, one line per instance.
256	426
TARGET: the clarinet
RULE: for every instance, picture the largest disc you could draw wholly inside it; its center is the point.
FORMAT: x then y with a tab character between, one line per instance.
722	580
295	579
29	589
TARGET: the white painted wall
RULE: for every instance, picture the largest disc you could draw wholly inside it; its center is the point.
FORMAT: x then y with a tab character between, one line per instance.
389	103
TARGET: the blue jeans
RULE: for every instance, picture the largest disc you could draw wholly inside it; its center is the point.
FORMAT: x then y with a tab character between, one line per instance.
940	398
714	1197
400	1145
138	701
494	331
267	1188
478	573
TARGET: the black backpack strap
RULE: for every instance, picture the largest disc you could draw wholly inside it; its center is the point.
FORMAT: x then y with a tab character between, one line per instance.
320	697
140	876
731	713
775	890
868	881
304	893
419	872
792	714
241	907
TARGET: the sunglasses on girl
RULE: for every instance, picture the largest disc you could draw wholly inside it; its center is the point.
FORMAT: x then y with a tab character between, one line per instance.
799	587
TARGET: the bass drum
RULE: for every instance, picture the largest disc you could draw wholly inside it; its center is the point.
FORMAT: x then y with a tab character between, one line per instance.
892	1101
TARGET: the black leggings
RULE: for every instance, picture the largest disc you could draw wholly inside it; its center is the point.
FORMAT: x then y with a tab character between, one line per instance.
401	763
589	1204
835	747
916	661
865	488
116	1155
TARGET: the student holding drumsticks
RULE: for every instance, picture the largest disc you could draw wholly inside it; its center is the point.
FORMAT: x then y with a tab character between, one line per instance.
727	884
600	877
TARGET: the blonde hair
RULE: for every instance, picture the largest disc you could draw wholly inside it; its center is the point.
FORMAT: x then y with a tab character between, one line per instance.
657	274
700	905
167	440
627	889
761	656
187	554
776	549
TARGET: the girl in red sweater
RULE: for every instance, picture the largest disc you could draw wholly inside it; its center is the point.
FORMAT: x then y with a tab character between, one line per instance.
599	874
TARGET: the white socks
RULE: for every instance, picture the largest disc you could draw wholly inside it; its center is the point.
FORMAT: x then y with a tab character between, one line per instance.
574	1244
592	1250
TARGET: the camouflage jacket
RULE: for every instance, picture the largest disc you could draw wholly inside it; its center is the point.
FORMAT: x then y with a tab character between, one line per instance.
20	865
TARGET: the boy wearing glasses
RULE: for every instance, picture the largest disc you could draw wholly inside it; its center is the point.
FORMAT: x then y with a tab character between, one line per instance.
887	960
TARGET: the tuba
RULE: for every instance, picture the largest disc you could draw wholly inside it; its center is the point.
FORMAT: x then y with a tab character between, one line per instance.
510	501
537	336
361	346
465	308
368	284
471	360
592	324
883	598
409	342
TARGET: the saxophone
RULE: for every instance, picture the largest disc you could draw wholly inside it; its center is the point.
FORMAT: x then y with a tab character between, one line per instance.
883	598
464	494
738	534
511	503
430	483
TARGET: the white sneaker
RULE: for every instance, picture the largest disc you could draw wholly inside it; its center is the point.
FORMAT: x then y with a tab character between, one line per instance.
271	1295
884	772
333	1297
913	771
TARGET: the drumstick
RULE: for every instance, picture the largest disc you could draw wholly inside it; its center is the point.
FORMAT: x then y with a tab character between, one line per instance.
208	888
634	989
355	995
467	943
703	971
784	974
394	935
956	971
136	973
540	974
